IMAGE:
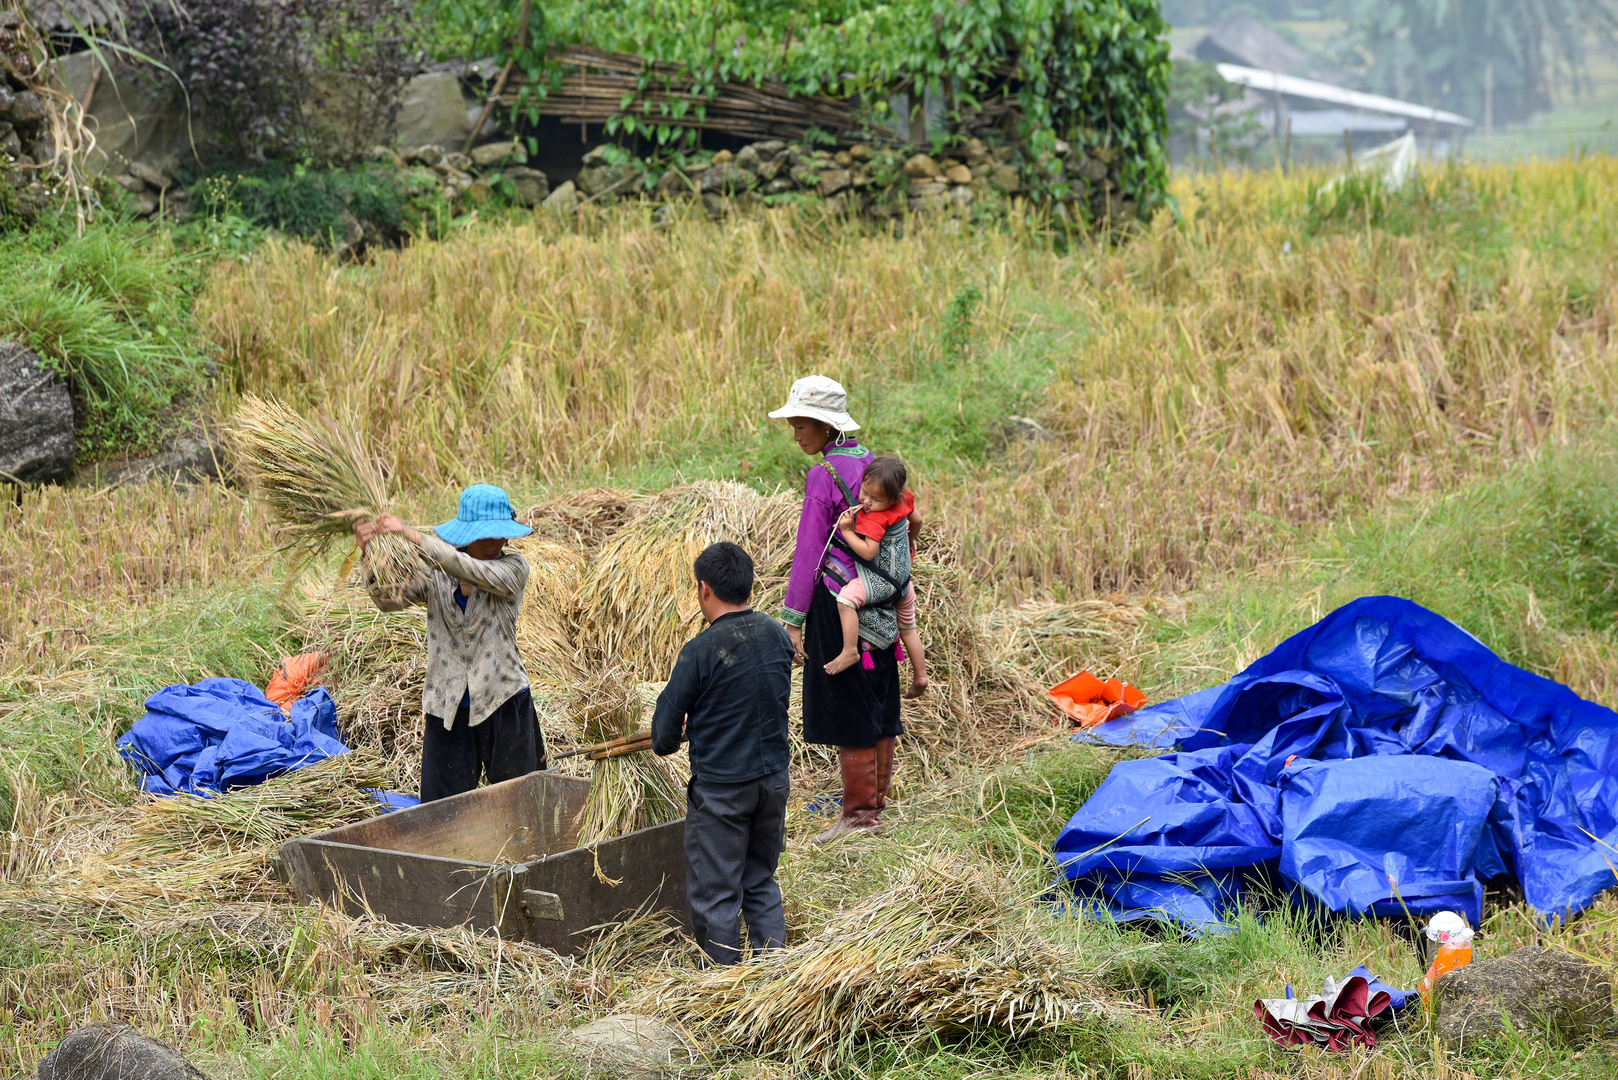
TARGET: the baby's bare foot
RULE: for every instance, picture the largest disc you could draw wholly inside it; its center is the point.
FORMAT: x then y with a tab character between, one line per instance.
918	687
842	661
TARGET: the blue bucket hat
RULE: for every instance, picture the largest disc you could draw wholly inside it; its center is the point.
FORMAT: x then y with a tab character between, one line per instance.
486	513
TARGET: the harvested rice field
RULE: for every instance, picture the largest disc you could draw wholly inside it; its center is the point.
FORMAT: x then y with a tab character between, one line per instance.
1153	458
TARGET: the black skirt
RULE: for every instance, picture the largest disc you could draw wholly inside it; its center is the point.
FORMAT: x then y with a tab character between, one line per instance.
855	707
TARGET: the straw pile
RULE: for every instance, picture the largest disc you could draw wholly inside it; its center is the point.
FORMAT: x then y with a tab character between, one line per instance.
220	848
638	604
944	949
317	477
545	633
628	792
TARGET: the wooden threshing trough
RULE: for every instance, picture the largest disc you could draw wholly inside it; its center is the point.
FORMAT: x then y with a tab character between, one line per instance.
500	857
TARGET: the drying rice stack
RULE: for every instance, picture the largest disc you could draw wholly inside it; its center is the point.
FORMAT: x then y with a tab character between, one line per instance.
378	666
318	478
545	621
221	847
638	604
628	792
944	949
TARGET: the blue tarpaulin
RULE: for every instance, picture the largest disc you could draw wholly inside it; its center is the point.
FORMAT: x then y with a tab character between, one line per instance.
224	733
1381	761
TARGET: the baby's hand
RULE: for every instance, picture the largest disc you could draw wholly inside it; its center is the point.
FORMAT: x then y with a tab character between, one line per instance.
846	520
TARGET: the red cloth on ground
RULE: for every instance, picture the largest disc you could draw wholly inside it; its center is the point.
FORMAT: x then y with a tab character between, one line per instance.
873	524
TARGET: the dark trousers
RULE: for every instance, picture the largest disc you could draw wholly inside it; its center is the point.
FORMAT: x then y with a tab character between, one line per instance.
507	744
733	839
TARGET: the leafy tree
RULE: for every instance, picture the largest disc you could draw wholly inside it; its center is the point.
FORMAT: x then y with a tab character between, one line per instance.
1438	51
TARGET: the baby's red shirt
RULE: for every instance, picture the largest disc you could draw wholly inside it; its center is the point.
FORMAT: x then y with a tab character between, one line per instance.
873	525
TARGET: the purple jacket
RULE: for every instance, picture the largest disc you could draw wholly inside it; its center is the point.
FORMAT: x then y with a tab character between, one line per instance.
823	501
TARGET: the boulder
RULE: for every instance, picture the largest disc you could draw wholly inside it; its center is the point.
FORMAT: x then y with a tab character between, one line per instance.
834	180
632	1047
23	108
36	419
724	157
533	187
428	155
457	161
749	159
1090	168
10	142
138	119
595	156
768	148
779	186
805	175
920	189
150	176
114	1053
130	183
727	178
843	159
958	174
563	198
1006	179
960	197
922	167
433	110
861	152
597	179
491	154
673	183
1539	990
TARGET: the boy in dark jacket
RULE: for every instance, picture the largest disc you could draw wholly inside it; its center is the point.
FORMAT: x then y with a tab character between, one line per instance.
728	698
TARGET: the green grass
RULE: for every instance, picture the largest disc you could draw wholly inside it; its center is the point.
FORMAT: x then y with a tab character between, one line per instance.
111	311
1524	561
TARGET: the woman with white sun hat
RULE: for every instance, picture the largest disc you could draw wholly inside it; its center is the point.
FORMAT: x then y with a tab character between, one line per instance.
856	710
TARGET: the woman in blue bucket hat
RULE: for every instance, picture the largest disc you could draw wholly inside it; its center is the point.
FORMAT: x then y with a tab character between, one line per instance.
480	712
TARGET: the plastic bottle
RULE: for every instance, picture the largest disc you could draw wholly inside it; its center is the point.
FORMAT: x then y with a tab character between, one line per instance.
1454	939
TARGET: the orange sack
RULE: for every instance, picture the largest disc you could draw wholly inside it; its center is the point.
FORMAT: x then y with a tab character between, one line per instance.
294	675
1092	701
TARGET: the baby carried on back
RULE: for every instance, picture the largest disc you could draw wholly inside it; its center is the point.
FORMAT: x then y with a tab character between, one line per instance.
880	530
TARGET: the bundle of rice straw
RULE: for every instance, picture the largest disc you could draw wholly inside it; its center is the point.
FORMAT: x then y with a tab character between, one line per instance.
220	848
628	792
379	663
318	478
638	604
942	950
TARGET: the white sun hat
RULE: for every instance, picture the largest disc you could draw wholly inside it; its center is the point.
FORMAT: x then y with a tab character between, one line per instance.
818	398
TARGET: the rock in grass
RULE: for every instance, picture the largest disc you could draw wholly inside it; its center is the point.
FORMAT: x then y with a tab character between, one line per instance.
490	154
114	1053
36	419
1538	990
563	198
632	1047
533	187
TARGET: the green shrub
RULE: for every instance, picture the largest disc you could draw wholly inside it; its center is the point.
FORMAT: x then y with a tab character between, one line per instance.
320	206
111	311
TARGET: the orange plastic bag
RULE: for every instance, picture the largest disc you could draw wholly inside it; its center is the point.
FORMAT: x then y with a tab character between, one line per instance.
293	675
1092	701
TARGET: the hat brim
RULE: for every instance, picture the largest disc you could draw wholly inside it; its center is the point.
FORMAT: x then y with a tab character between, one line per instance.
458	533
839	420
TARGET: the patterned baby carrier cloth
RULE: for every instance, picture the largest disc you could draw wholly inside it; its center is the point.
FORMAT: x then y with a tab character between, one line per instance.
884	577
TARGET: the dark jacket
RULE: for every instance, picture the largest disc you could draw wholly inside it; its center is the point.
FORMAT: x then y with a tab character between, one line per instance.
728	698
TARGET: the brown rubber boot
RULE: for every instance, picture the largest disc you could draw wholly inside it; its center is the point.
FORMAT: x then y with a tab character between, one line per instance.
859	793
884	777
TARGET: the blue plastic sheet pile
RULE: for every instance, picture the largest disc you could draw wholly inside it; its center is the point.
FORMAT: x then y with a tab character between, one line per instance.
1338	1017
1381	761
224	733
